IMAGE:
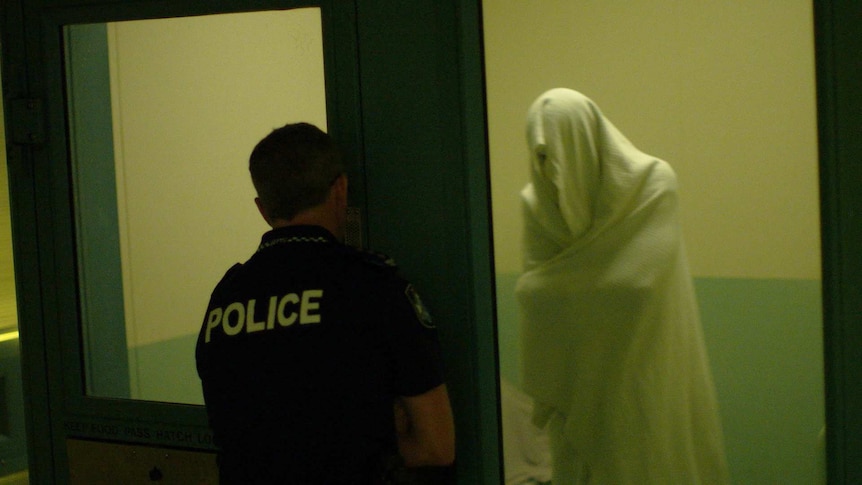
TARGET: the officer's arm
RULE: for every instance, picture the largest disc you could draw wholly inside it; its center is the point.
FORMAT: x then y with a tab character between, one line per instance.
426	432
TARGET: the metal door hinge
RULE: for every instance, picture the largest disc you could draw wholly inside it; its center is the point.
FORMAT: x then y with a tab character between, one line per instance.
27	122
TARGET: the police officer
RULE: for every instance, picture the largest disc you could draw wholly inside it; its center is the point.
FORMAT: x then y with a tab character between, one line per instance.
319	363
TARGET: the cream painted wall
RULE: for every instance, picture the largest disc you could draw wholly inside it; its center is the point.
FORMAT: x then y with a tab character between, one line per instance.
724	91
191	97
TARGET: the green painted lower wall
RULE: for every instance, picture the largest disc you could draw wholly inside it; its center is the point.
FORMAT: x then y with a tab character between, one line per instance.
765	344
765	341
165	371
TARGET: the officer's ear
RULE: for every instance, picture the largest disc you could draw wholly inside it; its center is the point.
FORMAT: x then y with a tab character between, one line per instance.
263	212
340	189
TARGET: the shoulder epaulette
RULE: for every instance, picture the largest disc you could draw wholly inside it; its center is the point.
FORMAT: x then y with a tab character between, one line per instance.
377	259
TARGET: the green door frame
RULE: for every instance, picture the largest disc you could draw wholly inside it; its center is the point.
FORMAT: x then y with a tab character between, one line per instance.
422	129
90	122
838	42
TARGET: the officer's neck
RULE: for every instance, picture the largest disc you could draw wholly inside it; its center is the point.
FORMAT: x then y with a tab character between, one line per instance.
321	215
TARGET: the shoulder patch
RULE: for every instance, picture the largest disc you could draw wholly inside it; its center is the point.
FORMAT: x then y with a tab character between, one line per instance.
422	313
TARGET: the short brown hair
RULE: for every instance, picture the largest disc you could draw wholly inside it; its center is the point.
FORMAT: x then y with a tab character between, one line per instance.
293	168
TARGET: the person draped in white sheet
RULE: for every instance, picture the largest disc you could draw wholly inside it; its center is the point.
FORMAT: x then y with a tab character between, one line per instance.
613	349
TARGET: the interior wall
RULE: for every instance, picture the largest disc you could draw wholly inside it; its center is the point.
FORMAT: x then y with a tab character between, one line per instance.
725	92
190	100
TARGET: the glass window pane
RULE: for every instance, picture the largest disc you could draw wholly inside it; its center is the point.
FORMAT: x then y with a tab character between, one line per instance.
731	106
163	114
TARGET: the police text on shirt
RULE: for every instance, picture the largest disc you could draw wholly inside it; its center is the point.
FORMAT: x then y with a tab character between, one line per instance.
286	310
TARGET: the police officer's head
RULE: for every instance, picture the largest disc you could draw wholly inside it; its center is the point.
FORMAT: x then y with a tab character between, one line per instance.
293	170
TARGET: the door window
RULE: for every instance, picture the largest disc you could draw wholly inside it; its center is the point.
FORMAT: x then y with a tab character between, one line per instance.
163	114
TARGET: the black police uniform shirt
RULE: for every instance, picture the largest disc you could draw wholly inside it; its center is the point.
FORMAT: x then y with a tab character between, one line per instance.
301	354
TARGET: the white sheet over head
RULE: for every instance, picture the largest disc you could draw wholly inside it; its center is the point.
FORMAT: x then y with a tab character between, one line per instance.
610	326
